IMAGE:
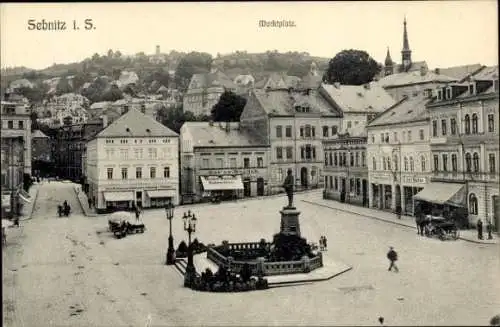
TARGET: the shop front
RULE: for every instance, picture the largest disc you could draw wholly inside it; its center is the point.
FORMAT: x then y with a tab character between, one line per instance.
412	185
380	190
119	200
160	198
225	187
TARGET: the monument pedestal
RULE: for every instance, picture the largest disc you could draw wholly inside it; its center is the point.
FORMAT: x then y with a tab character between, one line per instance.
290	221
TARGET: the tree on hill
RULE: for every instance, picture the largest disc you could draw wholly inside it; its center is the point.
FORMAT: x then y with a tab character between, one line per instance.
299	69
229	107
192	63
174	118
63	86
113	94
351	67
35	94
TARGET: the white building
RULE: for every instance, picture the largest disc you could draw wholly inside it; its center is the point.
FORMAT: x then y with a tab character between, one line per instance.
398	154
133	161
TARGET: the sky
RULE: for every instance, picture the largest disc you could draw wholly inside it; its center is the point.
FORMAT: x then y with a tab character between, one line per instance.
443	33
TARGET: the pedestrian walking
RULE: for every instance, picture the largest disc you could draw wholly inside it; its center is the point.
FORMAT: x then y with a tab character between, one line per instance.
479	229
321	247
489	228
324	243
137	213
90	203
393	257
59	210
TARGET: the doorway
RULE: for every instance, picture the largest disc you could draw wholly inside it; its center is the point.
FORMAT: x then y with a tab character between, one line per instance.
303	177
138	199
246	187
364	192
260	186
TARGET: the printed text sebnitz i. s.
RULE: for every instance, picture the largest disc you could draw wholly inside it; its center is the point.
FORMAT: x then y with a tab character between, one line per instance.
59	25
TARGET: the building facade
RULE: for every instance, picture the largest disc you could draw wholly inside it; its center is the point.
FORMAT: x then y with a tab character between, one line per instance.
464	124
41	154
16	155
398	154
133	162
220	159
293	122
345	170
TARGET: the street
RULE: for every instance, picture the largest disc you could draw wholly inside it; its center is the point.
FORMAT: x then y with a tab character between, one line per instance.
72	271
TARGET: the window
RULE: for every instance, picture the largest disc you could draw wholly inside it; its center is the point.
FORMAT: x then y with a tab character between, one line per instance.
325	131
357	159
395	160
404	135
395	136
421	134
150	153
351	185
331	181
475	162
313	131
124	154
443	126
422	163
474	124
288	131
454	166
302	132
289	152
279	175
412	164
387	137
219	163
363	159
334	130
335	161
205	163
166	172
406	163
491	160
279	132
349	124
384	165
491	123
434	128
468	162
453	126
382	138
445	162
374	163
358	186
409	136
10	124
351	161
124	173
279	153
308	131
232	163
138	172
467	124
436	162
472	204
110	173
336	183
152	172
246	162
388	163
260	162
20	124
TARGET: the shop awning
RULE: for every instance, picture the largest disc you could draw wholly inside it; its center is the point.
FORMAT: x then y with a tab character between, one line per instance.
443	193
160	193
118	196
219	183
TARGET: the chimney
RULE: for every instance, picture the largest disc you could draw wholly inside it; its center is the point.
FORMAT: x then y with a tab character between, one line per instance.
228	127
437	71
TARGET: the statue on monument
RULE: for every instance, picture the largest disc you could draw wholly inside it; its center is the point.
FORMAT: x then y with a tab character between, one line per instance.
288	186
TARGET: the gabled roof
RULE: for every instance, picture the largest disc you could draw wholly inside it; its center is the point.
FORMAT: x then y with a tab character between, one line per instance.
136	124
359	98
38	134
414	77
405	111
460	72
212	79
487	73
281	102
204	135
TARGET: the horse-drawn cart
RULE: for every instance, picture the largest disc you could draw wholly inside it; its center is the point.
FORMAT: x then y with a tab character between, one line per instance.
440	227
121	223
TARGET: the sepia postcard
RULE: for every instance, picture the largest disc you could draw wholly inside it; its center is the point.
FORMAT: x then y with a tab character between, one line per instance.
293	163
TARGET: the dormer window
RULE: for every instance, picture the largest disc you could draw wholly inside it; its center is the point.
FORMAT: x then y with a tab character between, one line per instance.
471	89
448	93
440	95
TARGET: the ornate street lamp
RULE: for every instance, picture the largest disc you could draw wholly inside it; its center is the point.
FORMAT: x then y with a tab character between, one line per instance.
169	212
190	227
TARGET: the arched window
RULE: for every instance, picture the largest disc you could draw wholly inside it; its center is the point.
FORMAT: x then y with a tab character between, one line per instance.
374	160
467	124
468	162
406	163
474	124
472	204
422	162
475	162
412	164
396	159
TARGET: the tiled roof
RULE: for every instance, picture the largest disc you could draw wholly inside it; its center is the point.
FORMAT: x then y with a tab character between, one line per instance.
38	134
407	110
488	73
282	103
138	125
413	77
359	98
204	135
212	79
459	72
292	81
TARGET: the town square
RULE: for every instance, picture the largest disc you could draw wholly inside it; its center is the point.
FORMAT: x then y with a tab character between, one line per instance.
250	164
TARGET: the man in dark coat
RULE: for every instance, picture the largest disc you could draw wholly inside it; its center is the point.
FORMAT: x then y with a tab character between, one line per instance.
393	257
479	229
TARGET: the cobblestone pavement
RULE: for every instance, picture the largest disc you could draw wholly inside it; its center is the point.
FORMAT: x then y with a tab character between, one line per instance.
66	265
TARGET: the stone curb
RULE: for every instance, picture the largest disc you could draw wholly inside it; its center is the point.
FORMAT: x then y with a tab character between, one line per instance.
81	204
389	221
28	217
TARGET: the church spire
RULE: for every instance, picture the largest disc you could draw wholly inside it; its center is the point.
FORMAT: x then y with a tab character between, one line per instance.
406	52
388	59
388	64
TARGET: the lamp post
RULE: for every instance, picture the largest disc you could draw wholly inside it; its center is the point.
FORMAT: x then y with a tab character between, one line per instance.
169	212
397	164
190	227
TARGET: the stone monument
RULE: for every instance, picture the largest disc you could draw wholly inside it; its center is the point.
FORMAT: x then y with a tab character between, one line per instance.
289	215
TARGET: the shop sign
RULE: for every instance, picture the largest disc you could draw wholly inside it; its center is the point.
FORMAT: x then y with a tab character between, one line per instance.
414	180
222	172
122	187
380	177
